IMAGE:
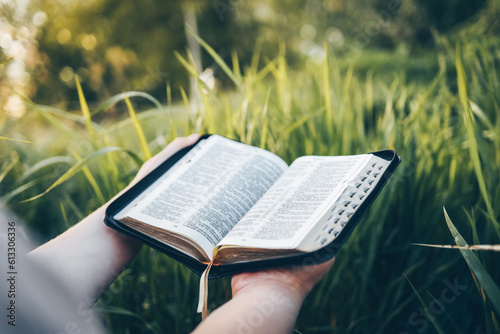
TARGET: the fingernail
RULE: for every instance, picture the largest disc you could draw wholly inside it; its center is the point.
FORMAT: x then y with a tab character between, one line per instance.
193	136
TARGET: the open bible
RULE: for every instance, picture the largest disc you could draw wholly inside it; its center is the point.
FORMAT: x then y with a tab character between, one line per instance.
241	208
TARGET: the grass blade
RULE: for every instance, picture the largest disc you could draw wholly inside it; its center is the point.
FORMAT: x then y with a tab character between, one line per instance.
495	248
426	308
146	153
326	88
217	59
91	179
119	97
489	286
77	168
192	70
16	140
13	193
14	161
64	114
46	163
56	123
471	134
236	64
265	125
85	109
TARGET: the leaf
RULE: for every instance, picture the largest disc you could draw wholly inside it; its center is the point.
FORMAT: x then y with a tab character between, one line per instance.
146	153
489	286
471	134
270	67
85	109
327	96
48	113
13	193
236	64
301	121
217	58
426	308
481	115
207	110
424	99
265	125
117	310
79	166
120	97
46	163
14	161
192	70
16	140
495	248
472	221
91	180
65	114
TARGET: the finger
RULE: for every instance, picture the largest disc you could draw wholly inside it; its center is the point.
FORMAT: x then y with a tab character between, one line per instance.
177	144
180	142
166	153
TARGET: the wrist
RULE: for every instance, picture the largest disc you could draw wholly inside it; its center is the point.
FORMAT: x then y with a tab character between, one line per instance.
272	301
276	290
264	308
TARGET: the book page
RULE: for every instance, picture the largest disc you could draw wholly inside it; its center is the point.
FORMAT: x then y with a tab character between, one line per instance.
282	217
161	180
208	193
337	216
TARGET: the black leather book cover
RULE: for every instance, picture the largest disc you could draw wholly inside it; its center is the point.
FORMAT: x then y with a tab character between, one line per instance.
321	255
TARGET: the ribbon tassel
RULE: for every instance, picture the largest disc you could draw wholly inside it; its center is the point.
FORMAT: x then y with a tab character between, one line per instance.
203	300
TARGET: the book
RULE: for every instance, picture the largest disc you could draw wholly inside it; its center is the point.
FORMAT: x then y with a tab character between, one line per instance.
235	208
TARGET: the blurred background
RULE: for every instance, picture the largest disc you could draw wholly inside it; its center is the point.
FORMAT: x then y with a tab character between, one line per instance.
295	77
116	46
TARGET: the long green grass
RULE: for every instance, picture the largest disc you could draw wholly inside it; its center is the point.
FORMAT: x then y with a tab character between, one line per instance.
444	122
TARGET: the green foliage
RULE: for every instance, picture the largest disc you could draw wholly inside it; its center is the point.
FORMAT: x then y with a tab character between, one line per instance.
114	45
483	278
444	125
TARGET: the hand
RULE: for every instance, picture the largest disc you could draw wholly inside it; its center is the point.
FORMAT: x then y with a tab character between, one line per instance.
177	144
296	281
88	256
265	302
